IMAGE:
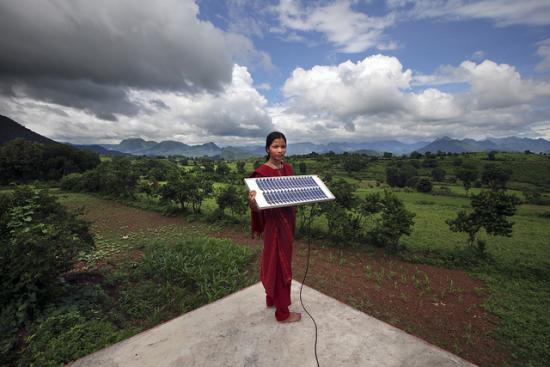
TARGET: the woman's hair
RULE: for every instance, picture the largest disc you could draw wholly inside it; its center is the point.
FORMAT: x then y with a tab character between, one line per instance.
272	136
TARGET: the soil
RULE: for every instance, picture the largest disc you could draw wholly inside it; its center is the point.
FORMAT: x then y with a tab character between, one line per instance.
439	305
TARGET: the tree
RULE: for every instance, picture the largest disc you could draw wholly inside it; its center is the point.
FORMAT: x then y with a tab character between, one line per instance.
415	155
424	185
490	211
457	162
495	176
222	168
491	155
395	221
118	177
429	163
352	163
303	168
467	175
20	160
344	193
230	197
438	174
240	167
399	175
188	190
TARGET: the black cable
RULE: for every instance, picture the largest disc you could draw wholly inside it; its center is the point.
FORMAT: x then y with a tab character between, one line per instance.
302	286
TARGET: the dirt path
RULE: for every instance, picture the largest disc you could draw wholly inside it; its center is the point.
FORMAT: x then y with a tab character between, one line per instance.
439	305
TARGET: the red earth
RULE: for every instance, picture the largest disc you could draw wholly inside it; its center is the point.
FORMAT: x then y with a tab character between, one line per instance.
439	305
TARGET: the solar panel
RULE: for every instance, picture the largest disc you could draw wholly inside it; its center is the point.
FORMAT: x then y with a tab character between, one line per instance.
275	192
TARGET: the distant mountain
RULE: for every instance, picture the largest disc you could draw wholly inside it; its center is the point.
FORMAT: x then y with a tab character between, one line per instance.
10	129
138	146
166	147
367	147
130	145
522	144
98	149
446	144
511	144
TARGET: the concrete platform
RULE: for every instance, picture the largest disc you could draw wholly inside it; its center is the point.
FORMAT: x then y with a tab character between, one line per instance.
239	330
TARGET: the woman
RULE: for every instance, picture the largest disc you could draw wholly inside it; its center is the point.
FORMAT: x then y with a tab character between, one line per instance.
277	226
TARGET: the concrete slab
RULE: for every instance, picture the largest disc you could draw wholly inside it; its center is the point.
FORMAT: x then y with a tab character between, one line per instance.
239	330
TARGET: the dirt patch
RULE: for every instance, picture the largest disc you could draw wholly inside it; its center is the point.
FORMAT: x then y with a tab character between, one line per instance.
441	306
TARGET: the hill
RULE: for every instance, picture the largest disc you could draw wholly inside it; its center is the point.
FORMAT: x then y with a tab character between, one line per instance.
510	144
138	146
98	149
11	129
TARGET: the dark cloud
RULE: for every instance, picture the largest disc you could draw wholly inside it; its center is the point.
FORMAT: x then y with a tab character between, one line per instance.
103	101
87	54
159	104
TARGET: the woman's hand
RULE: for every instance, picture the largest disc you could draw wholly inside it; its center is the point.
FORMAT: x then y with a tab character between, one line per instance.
252	199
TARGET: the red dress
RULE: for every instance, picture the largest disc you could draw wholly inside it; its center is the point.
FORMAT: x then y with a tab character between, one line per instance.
277	226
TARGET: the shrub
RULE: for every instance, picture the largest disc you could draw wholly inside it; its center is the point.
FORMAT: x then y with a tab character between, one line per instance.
71	181
231	197
39	240
424	185
343	225
438	174
66	335
495	176
399	175
490	211
394	222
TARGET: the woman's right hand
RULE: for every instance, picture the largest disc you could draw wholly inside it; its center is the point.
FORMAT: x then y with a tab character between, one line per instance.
252	199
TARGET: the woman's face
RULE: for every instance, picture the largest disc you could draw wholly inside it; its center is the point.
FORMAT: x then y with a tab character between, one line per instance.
277	149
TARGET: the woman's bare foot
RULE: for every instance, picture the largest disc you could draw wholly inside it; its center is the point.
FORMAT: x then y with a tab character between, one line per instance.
293	317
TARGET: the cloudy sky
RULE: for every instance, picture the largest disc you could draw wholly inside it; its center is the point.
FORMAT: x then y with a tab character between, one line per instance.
230	72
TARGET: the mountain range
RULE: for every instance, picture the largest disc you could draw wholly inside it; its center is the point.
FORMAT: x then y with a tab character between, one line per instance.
10	129
510	144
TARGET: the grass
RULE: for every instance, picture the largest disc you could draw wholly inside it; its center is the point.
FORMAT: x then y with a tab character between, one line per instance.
516	280
131	282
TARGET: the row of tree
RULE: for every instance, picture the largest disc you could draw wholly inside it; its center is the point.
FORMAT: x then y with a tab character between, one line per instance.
24	161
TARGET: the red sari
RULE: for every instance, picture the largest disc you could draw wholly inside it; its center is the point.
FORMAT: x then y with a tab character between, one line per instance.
277	226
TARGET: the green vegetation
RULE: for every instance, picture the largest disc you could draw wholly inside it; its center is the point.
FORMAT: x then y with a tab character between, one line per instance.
404	204
25	161
150	278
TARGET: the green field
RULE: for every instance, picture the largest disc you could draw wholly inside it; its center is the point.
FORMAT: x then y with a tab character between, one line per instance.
516	273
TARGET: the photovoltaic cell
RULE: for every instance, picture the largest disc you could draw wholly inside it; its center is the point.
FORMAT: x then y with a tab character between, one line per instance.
288	190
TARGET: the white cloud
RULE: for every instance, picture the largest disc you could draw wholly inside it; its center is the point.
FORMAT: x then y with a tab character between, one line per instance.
478	55
502	12
500	85
236	114
373	98
264	86
372	85
350	31
544	52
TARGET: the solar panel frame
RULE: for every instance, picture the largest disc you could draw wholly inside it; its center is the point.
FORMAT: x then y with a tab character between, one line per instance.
281	191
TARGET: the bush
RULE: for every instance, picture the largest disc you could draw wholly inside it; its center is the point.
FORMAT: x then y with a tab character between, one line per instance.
71	182
400	175
394	222
231	197
343	226
490	211
39	241
438	174
424	185
66	335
